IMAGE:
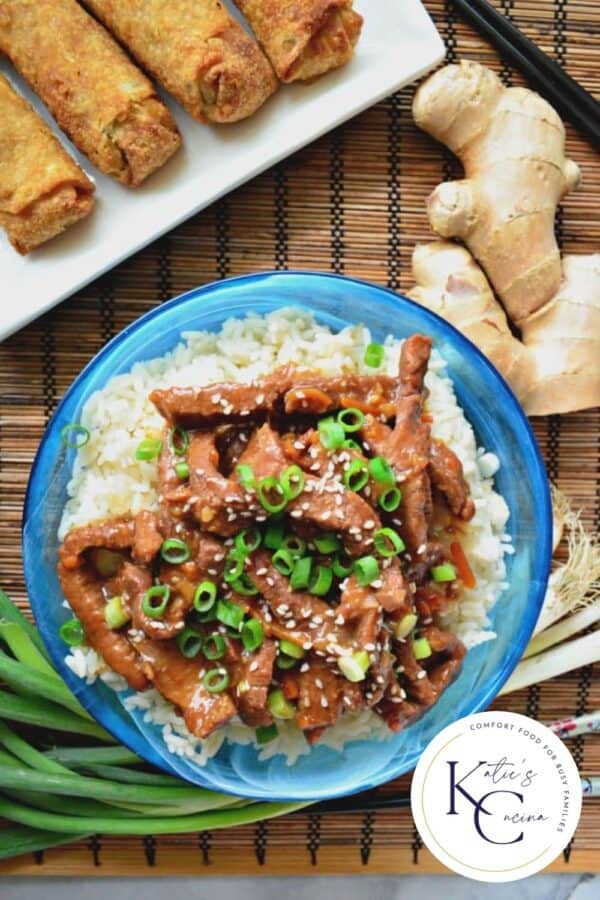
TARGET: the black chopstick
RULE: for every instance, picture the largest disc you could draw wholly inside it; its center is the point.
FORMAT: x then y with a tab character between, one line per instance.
567	96
359	803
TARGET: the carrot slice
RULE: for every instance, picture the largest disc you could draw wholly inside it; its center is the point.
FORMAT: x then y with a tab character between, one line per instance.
289	686
463	569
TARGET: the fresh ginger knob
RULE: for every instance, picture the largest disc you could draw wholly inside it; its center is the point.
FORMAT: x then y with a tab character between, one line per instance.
512	147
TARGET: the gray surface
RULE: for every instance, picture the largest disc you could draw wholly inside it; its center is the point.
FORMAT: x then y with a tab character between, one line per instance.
538	887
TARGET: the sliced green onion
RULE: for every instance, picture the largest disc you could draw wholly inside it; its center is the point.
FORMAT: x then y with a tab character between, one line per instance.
150	601
339	569
245	476
356	475
388	542
351	444
208	616
351	419
267	487
292	482
320	581
248	540
390	499
283	560
244	586
216	680
179	441
301	573
327	543
355	667
230	613
266	733
205	596
331	433
106	562
274	534
366	570
285	662
174	551
214	646
421	648
234	566
115	614
72	633
279	706
291	649
74	436
374	355
294	544
189	642
253	634
445	572
405	625
381	470
148	449
182	470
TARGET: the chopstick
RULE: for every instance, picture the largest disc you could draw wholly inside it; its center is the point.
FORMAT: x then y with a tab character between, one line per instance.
567	96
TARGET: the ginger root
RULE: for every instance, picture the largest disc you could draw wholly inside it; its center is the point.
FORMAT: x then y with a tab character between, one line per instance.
555	368
512	147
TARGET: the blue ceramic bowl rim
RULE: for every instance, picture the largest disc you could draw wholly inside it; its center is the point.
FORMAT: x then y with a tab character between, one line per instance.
136	740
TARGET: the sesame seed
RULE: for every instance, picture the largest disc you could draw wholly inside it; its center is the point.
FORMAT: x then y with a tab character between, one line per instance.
369	524
291	623
324	702
304	667
262	571
319	683
369	646
306	701
421	674
253	666
306	646
296	513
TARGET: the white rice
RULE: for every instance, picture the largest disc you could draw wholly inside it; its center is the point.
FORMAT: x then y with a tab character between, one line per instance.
107	480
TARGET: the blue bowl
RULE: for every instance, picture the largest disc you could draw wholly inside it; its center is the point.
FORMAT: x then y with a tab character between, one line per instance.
500	426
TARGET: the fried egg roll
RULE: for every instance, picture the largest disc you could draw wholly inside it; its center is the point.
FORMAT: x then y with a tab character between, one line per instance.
196	51
306	38
42	190
97	95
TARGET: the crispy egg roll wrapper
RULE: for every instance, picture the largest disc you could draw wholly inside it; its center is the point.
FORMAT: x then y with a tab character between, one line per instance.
194	48
108	108
306	38
42	190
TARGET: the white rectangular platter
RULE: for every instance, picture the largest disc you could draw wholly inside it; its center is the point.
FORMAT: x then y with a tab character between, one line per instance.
398	44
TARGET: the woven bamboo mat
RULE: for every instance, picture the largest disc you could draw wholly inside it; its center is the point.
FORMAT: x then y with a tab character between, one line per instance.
353	203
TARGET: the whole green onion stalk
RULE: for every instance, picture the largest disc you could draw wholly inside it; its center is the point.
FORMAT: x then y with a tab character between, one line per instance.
57	795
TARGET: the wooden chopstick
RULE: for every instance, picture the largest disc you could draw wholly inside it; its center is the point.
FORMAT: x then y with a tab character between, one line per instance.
567	96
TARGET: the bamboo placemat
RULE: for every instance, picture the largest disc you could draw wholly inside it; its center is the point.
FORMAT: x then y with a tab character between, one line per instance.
354	203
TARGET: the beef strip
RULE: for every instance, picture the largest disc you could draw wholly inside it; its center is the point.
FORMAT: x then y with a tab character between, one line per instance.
253	678
285	390
220	505
180	680
320	695
316	395
425	680
140	534
216	404
84	590
297	616
324	502
447	476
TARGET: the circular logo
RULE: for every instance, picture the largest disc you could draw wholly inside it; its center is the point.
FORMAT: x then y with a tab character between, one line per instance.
496	796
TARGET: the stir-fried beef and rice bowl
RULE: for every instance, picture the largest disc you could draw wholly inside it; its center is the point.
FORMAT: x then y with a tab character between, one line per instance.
281	535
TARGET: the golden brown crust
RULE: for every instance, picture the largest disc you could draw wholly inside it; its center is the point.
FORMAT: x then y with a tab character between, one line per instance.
304	39
196	51
42	190
99	98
